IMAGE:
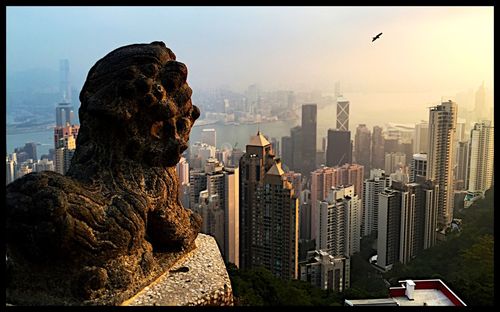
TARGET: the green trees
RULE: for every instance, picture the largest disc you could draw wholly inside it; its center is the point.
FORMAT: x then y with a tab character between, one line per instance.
464	261
258	287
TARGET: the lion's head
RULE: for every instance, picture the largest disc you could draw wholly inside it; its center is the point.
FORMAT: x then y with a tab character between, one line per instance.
136	102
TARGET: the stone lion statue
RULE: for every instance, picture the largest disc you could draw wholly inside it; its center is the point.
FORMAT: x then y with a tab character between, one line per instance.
114	222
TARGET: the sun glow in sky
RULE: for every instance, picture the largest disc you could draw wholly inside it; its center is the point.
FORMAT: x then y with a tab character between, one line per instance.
422	49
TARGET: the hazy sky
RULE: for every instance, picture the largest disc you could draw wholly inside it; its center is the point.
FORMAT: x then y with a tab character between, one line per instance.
431	49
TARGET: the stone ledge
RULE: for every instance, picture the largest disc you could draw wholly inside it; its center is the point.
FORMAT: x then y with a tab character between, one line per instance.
199	278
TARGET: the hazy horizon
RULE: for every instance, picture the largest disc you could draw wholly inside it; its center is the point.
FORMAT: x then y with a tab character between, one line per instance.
423	49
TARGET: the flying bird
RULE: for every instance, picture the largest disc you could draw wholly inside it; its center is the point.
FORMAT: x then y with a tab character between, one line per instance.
376	37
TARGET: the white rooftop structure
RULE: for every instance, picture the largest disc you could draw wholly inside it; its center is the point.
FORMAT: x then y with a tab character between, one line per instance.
432	292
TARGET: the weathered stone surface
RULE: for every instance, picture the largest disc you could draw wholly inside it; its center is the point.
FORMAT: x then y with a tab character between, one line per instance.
114	222
199	278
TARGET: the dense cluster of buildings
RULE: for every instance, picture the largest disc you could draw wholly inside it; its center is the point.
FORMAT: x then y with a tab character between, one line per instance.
398	185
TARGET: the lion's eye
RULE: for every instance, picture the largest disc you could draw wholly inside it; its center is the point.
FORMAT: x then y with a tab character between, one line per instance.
159	88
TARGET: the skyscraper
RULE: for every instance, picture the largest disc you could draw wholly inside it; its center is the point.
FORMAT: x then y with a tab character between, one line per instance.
286	151
64	153
296	137
394	161
305	215
275	240
421	142
462	166
481	158
338	151
253	165
63	132
323	179
309	126
342	114
373	186
418	166
325	271
389	221
64	114
442	120
182	169
378	154
362	147
219	207
208	136
407	221
64	83
339	222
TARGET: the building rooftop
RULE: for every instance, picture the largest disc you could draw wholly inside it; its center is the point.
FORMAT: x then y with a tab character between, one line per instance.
258	140
276	169
432	292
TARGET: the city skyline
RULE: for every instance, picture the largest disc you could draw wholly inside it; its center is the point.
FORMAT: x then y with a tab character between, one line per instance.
314	147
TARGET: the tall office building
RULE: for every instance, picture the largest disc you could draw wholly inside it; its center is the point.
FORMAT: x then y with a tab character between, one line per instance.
418	167
481	158
309	126
208	136
421	141
218	205
391	144
323	179
197	183
275	145
378	154
407	221
305	215
394	161
342	114
64	153
30	149
389	221
64	114
182	169
325	271
253	165
373	186
234	159
286	151
275	239
296	137
223	156
65	137
339	222
339	149
406	147
199	154
64	81
442	120
362	147
461	166
65	131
